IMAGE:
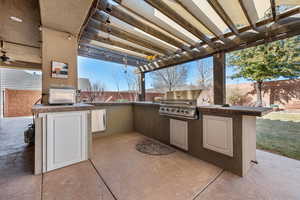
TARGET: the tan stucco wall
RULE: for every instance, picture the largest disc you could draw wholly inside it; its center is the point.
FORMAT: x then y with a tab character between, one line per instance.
26	32
22	40
119	120
64	15
57	47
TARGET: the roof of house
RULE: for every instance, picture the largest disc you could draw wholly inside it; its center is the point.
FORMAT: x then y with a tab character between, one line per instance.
84	84
20	79
25	80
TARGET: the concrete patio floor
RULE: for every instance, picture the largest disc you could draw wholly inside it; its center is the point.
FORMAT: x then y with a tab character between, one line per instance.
118	171
12	134
132	175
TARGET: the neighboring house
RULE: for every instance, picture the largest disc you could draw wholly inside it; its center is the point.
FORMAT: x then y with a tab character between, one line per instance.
23	88
177	88
27	84
84	84
19	79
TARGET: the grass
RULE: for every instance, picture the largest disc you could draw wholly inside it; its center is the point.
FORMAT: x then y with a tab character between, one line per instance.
280	133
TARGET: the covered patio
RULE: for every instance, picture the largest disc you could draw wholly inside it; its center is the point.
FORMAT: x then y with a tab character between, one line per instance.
124	173
89	151
153	35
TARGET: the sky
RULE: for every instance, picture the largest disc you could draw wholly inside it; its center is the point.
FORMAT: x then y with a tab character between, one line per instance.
110	73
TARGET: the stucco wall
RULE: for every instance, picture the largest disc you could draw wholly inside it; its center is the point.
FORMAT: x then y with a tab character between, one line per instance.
22	40
19	102
57	47
26	32
119	120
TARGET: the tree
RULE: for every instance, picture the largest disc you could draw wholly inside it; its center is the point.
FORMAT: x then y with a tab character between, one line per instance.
204	74
266	62
132	81
95	91
117	76
169	78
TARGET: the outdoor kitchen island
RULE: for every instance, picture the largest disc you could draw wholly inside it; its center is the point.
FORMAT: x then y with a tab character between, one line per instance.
224	136
62	135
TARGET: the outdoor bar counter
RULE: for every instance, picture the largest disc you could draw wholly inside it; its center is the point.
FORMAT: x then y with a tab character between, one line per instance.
234	152
232	128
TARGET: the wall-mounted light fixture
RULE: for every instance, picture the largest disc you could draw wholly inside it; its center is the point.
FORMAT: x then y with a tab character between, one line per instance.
16	19
69	37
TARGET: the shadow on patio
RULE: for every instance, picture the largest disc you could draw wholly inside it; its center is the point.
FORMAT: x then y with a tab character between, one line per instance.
118	171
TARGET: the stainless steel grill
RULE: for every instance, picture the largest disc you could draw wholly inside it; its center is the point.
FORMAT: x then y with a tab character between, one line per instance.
186	109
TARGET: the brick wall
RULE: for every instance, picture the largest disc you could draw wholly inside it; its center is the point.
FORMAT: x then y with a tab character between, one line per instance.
114	96
284	93
19	102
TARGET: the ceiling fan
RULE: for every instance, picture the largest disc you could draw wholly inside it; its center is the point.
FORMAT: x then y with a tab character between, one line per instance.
4	58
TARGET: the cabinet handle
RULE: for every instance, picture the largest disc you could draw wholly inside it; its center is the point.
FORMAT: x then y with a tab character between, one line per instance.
104	120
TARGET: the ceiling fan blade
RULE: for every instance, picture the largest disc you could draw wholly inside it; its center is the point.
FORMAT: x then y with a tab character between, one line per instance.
5	62
11	60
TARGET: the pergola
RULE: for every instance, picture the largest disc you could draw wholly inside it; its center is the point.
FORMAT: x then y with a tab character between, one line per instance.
155	34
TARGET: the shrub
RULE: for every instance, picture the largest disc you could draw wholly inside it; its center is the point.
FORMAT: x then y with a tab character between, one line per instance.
236	97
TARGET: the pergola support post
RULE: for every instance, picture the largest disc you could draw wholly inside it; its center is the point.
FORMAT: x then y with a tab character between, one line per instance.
219	72
142	94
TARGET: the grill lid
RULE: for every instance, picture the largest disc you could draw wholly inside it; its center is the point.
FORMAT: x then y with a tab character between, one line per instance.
179	108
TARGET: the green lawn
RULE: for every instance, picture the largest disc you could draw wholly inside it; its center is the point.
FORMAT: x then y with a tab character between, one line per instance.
280	133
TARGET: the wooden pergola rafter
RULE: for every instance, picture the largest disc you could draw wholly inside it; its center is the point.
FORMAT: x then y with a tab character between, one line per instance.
273	9
166	10
145	19
108	55
123	34
208	25
115	11
93	35
247	14
222	13
190	35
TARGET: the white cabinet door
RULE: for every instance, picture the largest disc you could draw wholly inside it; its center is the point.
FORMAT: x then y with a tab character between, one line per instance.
66	139
217	134
179	133
98	120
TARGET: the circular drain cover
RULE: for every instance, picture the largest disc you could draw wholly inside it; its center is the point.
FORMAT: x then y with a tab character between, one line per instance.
151	147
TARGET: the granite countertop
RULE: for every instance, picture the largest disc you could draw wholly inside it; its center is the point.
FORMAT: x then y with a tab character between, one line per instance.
150	103
111	103
40	108
235	110
124	103
213	109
